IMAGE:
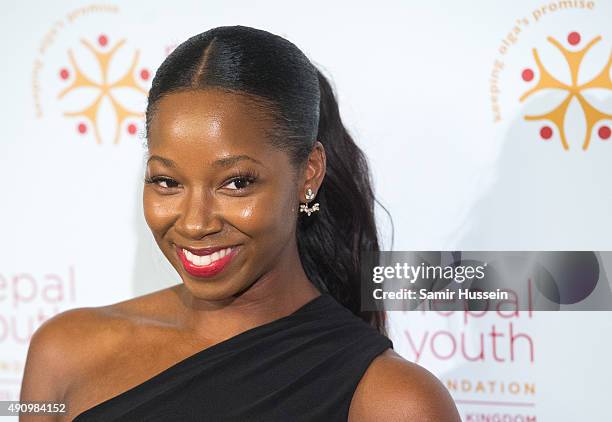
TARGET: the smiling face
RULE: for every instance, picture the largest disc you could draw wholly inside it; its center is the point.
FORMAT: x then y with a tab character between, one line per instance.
213	181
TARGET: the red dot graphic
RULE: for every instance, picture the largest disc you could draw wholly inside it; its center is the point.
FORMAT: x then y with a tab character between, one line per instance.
604	132
131	128
64	74
144	74
82	128
527	75
573	38
103	40
546	132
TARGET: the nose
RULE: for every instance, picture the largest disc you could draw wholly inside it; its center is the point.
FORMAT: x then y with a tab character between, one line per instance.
199	215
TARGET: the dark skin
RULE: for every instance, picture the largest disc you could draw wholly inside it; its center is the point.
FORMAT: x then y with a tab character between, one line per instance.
85	356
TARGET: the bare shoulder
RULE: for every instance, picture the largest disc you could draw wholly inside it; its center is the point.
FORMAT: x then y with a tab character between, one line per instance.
65	346
394	389
56	350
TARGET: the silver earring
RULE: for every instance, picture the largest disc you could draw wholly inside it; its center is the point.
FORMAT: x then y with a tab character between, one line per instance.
309	197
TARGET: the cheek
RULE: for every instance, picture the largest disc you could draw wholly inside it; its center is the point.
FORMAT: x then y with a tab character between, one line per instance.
159	213
267	216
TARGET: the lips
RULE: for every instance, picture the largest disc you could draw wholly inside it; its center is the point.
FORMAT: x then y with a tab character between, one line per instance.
206	262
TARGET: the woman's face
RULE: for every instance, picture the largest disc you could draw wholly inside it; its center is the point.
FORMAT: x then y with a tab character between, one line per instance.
213	182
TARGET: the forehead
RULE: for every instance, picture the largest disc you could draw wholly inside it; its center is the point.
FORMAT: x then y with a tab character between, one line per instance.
208	118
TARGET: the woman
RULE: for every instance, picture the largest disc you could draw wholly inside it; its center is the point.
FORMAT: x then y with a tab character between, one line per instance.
262	202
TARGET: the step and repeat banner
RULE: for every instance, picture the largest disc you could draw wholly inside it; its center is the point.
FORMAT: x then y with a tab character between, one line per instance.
487	126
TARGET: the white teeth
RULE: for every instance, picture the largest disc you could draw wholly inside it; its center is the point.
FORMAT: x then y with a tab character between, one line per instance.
206	259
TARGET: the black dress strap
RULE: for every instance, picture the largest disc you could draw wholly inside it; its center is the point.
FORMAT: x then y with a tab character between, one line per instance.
301	367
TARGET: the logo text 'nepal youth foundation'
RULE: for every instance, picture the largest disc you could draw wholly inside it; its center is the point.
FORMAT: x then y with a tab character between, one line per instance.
557	116
88	116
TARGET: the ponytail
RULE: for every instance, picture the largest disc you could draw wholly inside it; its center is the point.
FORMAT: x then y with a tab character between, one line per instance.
333	244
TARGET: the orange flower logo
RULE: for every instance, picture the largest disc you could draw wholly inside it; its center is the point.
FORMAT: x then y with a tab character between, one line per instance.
89	115
557	116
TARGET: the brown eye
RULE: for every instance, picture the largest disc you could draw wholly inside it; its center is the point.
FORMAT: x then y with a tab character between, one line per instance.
163	182
240	183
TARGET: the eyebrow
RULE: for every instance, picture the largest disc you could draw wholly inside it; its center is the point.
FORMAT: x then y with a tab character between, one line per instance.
222	162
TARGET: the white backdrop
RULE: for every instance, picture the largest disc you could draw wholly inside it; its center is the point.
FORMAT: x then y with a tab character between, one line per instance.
430	90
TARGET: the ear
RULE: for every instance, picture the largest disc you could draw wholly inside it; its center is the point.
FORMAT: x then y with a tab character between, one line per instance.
314	171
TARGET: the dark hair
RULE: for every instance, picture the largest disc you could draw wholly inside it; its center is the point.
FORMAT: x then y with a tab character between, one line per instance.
274	74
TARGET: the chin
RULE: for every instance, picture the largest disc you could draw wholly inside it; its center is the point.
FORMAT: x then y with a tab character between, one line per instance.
214	290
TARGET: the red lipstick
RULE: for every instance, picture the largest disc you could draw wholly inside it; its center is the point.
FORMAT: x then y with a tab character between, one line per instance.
209	270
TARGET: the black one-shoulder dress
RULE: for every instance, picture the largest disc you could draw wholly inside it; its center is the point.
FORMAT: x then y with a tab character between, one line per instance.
302	367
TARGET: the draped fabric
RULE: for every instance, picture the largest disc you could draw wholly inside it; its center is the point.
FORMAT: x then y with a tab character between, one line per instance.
302	367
